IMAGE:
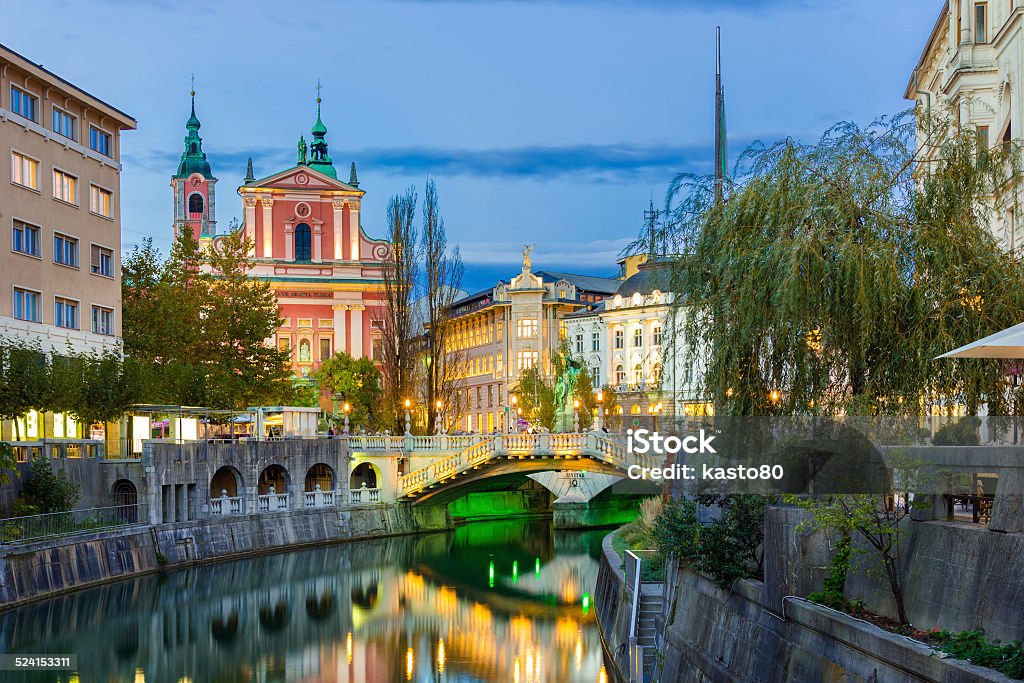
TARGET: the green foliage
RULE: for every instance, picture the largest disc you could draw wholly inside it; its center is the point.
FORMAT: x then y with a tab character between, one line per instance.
1006	658
835	272
727	548
536	398
47	492
24	380
832	595
356	382
962	432
7	462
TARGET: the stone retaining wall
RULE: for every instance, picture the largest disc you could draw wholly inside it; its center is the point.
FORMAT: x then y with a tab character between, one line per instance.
38	570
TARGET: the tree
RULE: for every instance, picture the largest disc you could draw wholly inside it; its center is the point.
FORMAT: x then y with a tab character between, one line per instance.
46	492
442	271
354	381
587	397
610	406
834	273
399	274
242	368
24	381
536	398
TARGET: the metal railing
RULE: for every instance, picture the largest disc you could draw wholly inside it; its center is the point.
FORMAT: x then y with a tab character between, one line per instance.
26	451
35	527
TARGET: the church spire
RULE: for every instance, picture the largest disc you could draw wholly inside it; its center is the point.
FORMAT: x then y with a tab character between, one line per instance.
249	175
318	158
193	158
353	179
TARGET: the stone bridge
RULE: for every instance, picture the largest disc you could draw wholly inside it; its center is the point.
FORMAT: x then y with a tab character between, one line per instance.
439	467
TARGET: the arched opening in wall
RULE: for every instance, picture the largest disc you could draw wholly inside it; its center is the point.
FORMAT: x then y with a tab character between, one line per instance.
305	356
319	607
126	500
303	243
227	481
273	479
635	410
195	203
274	618
364	596
320	475
364	473
224	627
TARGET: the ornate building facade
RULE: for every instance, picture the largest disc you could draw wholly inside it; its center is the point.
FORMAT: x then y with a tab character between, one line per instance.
307	242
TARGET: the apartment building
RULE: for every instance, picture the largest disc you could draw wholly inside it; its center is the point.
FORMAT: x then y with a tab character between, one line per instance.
60	252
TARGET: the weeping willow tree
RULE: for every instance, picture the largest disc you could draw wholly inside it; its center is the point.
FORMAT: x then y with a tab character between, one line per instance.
834	273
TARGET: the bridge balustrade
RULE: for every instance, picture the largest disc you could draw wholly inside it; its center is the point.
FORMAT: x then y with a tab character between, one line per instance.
319	499
273	502
367	495
225	505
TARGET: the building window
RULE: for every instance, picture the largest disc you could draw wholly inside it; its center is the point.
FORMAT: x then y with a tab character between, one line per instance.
26	304
595	340
638	337
25	238
656	334
620	375
526	328
595	375
99	200
284	344
24	170
195	203
325	349
63	123
981	22
638	373
620	338
23	104
65	187
99	141
579	342
65	250
527	359
303	243
304	353
982	145
688	374
501	365
102	261
65	313
102	320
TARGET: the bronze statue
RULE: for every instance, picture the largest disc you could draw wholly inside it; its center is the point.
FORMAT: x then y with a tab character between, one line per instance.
302	149
527	248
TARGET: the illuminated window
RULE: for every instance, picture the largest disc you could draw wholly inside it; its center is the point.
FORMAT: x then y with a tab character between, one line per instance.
638	337
620	375
656	334
620	338
284	344
24	170
325	349
65	187
638	373
527	359
99	200
526	328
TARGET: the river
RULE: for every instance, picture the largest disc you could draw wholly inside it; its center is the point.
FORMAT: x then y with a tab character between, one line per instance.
506	602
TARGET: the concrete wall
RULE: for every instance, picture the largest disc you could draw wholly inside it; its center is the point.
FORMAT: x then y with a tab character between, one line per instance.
38	570
710	634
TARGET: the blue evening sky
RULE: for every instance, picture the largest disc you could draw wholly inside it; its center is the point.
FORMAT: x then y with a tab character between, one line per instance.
547	121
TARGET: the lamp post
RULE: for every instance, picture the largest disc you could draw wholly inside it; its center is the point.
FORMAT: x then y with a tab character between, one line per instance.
438	422
599	421
408	417
575	416
345	409
515	412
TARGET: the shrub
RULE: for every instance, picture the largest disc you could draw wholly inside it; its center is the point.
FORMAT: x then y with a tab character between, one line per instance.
46	491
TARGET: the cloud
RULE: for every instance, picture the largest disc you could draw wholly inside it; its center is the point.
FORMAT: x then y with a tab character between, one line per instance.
597	162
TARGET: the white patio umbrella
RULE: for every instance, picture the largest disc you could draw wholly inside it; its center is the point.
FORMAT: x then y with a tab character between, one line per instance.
1008	343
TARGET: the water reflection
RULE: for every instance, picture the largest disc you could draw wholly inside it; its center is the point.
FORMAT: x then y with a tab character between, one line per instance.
504	601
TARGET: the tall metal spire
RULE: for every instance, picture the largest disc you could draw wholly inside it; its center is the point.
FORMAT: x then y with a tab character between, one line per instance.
721	159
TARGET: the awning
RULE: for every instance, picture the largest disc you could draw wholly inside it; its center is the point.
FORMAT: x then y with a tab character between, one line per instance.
1008	343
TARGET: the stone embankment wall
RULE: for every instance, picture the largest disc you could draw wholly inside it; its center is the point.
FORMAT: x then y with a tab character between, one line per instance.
37	570
710	634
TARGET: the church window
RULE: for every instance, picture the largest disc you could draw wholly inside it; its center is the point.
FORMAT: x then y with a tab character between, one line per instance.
303	243
195	203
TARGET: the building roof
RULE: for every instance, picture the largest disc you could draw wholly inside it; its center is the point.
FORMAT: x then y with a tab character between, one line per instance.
647	279
587	312
588	283
912	86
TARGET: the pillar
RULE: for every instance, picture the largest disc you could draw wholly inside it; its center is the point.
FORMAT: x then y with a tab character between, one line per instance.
289	228
318	229
339	229
268	227
340	343
250	222
353	230
357	331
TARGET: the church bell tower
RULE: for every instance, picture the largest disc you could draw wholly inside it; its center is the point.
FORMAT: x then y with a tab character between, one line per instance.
193	185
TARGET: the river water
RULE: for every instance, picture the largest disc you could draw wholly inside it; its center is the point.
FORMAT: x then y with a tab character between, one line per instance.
506	602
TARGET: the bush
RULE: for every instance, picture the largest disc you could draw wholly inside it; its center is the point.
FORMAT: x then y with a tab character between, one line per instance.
1006	658
726	549
48	492
963	432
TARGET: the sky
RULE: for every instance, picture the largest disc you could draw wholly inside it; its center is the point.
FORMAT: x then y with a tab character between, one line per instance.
552	122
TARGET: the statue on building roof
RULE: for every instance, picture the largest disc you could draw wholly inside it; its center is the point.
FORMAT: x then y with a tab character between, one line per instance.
527	263
302	150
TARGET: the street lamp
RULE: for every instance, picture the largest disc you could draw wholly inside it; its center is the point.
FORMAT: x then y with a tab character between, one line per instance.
408	418
600	400
575	416
437	418
516	412
345	409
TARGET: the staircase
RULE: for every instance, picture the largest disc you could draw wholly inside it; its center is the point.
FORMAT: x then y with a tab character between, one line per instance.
650	609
